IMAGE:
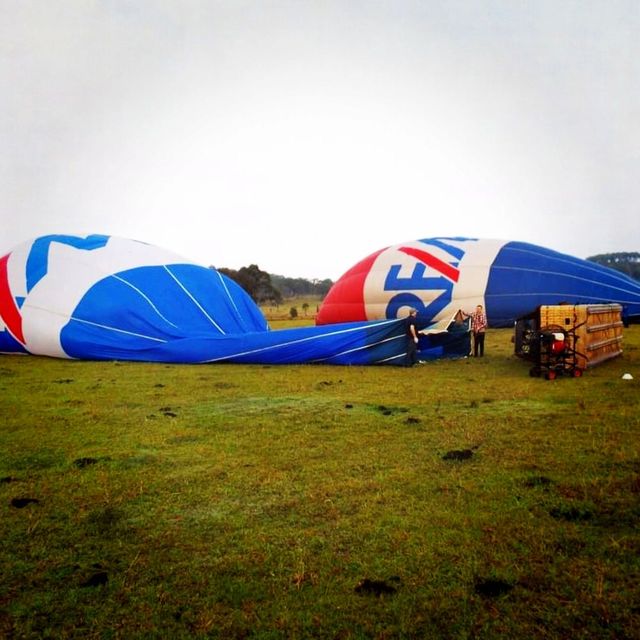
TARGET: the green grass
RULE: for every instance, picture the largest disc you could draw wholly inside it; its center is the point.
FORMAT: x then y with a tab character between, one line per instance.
279	316
231	501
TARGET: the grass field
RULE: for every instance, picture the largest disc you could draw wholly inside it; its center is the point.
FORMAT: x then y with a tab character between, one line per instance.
279	317
458	499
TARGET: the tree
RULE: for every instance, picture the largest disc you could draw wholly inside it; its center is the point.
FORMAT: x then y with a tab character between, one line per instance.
255	282
298	287
264	287
625	262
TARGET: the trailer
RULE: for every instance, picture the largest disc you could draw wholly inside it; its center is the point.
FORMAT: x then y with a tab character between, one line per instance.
568	339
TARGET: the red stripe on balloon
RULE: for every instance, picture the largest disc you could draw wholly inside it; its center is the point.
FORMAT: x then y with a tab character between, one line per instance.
431	261
9	311
345	300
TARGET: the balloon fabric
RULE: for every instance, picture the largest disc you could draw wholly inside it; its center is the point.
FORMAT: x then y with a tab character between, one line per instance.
439	276
107	298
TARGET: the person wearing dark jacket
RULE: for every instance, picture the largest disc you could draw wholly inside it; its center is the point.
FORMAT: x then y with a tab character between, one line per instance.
412	338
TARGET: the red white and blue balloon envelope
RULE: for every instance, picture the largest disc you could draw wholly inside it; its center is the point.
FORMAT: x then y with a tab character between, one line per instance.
107	298
438	276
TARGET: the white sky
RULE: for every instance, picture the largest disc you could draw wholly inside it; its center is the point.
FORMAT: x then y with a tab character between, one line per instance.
302	136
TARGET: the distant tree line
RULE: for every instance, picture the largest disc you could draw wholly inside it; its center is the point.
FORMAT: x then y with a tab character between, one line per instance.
264	287
626	262
298	287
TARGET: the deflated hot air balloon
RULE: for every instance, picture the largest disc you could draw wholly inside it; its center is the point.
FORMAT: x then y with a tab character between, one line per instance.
106	298
438	276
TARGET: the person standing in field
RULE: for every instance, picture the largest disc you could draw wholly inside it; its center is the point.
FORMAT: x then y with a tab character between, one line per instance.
412	338
478	329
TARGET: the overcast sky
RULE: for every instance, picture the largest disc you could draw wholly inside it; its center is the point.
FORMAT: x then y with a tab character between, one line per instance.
304	135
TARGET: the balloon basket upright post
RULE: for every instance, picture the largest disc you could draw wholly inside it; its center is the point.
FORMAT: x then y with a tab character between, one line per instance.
567	339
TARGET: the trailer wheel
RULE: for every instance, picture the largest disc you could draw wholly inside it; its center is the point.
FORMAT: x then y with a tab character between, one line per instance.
577	372
551	375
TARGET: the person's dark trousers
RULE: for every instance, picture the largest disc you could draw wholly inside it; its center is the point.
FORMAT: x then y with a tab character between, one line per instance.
412	353
478	344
